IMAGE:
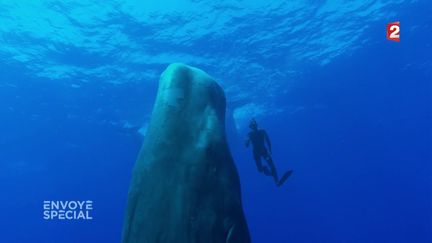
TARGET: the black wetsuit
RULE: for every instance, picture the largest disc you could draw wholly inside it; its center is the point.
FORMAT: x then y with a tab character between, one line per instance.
257	138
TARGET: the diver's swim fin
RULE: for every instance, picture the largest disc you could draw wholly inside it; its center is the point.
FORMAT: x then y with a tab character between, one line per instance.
284	177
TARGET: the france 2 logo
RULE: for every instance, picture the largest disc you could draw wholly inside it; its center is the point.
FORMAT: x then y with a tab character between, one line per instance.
393	30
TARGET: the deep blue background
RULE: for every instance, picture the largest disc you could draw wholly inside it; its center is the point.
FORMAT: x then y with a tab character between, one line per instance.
362	159
360	147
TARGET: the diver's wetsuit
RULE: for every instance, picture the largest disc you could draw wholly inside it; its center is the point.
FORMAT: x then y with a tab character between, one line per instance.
257	137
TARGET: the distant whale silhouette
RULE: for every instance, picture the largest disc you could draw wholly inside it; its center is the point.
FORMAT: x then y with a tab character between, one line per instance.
185	187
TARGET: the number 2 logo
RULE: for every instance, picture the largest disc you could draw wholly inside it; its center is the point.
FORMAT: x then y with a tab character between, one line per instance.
393	31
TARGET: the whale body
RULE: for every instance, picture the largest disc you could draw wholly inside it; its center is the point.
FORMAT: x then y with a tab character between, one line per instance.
185	187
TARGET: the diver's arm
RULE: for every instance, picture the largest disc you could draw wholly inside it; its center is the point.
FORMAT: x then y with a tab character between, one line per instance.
267	139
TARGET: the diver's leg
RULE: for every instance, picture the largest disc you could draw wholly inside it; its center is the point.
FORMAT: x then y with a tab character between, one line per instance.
258	162
273	171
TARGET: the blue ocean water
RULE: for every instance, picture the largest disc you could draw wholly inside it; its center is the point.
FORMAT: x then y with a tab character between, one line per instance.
349	111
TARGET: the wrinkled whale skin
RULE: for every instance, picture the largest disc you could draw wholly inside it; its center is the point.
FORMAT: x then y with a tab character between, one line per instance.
185	187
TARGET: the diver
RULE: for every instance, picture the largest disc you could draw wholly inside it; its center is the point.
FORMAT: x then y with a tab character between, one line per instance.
258	137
